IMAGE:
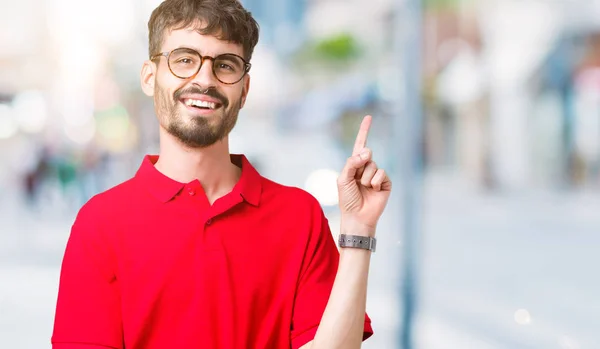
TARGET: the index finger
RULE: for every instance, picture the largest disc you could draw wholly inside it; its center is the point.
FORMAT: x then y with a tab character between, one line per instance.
361	137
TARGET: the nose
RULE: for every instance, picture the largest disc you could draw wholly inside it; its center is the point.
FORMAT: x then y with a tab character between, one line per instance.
205	77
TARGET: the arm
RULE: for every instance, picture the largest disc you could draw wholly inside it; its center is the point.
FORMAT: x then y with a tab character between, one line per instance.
343	320
88	307
364	191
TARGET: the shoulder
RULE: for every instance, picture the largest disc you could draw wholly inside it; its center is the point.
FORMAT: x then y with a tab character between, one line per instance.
294	207
289	195
93	234
104	205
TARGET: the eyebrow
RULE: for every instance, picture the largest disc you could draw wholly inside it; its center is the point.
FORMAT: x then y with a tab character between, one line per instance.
202	54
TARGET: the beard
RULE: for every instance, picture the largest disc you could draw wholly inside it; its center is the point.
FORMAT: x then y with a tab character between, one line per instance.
197	132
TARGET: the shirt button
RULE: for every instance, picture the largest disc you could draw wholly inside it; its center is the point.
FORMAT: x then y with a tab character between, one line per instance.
191	192
209	221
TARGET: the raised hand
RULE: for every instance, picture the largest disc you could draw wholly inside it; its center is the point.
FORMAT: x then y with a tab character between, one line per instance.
363	188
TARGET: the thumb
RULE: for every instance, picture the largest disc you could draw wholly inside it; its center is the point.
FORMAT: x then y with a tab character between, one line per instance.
353	164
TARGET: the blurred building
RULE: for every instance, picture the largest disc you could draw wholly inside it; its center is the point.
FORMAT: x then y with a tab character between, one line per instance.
281	22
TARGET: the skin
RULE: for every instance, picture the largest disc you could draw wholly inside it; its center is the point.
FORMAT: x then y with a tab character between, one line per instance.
195	145
204	156
364	190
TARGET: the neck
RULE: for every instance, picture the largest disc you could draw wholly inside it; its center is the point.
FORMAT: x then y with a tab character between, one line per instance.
211	165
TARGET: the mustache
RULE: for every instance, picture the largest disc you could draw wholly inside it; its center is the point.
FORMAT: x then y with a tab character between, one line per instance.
210	92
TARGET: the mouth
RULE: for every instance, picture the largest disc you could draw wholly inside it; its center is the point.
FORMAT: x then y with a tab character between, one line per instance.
200	105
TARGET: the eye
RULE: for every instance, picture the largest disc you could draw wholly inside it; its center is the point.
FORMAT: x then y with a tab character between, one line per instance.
226	67
185	60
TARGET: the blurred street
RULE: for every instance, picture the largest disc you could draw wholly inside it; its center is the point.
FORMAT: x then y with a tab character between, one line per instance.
510	270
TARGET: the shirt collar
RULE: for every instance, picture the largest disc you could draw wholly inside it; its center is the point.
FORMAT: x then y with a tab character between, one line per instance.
249	186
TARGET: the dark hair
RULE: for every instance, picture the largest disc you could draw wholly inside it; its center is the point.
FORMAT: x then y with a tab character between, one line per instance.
226	19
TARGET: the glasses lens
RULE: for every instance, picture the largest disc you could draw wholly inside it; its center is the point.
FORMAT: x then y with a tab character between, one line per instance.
184	62
229	68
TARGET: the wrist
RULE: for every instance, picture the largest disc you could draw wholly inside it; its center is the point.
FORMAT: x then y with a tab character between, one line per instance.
357	242
351	226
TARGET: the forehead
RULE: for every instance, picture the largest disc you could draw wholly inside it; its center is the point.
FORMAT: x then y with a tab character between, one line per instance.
205	44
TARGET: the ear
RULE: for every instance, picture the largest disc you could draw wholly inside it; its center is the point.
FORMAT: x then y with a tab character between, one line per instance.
245	90
148	77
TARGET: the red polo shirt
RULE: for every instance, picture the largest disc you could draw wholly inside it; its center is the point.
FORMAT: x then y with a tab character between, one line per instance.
150	264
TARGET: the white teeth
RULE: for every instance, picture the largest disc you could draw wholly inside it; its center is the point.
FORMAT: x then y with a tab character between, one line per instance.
202	104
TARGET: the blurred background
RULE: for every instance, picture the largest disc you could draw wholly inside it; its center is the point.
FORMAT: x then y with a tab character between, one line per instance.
486	113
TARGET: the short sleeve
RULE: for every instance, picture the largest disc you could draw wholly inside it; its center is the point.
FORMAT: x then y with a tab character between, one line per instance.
318	273
88	307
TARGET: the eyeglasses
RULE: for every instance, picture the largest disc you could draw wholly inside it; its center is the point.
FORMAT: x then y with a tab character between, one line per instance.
185	63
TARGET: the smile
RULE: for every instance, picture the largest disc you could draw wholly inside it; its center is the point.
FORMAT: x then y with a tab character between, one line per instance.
201	104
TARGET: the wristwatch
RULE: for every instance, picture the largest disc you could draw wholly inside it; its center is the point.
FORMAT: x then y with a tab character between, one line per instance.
356	241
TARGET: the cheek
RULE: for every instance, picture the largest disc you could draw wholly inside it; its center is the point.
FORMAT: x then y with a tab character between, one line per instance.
167	84
242	99
160	94
235	94
163	99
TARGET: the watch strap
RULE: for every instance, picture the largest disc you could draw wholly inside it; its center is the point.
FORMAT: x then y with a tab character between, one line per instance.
356	241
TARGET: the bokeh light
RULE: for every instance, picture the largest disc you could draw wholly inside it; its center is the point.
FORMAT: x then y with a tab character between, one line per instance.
522	317
31	111
8	126
322	185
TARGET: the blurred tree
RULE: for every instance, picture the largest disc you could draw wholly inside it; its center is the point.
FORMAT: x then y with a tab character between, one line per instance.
444	4
341	47
327	56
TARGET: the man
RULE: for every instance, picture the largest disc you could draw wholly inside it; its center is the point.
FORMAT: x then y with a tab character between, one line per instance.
198	250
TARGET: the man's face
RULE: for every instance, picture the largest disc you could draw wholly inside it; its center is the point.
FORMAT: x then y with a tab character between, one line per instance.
176	100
